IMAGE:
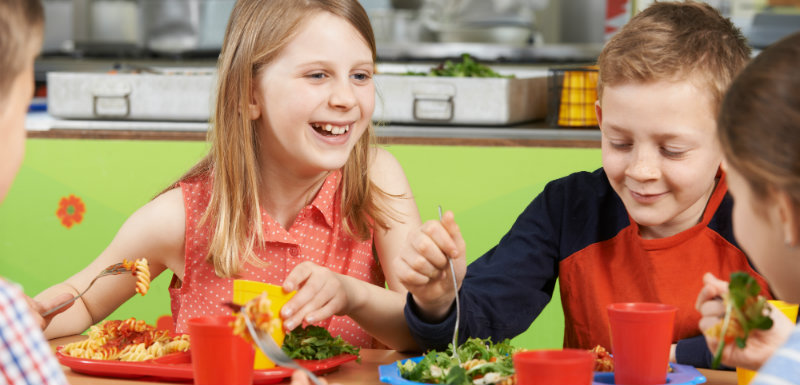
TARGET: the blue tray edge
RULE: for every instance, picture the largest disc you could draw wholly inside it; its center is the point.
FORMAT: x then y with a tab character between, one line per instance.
390	374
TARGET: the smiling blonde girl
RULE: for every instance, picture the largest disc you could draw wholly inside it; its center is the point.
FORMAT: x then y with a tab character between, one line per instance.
292	191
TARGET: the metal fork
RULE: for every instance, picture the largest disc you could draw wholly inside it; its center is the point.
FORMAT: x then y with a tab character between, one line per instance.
270	348
458	304
114	269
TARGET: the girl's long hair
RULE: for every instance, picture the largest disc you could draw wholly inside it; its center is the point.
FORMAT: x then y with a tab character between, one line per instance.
759	124
257	32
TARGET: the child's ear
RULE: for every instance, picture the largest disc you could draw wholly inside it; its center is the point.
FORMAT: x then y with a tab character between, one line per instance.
255	111
254	107
790	218
599	112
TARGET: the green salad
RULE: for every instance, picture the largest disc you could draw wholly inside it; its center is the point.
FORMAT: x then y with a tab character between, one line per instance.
482	363
315	343
745	311
467	67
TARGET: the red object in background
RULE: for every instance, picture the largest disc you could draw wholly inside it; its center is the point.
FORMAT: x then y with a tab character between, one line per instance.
70	210
177	367
40	91
165	322
617	14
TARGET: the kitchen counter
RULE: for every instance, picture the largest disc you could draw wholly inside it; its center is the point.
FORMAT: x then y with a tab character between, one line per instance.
531	134
394	58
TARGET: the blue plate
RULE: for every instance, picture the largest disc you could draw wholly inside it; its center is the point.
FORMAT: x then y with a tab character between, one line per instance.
681	375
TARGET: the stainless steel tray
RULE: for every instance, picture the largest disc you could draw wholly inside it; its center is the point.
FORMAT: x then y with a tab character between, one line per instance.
172	95
471	101
187	95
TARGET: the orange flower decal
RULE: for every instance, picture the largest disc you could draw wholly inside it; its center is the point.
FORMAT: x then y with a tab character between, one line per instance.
70	210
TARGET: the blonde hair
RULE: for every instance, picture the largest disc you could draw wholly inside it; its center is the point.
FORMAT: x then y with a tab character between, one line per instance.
675	41
759	122
21	31
257	32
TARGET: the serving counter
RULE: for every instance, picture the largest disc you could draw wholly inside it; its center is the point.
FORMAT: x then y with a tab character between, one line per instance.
530	134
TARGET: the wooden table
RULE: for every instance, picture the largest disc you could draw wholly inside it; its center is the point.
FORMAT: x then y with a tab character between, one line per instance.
351	373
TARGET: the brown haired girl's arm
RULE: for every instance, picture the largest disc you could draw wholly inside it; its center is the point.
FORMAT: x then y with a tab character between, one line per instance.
155	232
391	243
322	293
415	256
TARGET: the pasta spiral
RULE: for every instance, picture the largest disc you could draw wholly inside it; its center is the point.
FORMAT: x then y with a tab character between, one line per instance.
258	311
141	270
126	340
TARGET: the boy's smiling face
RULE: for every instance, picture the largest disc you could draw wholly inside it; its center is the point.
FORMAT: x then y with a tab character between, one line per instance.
660	152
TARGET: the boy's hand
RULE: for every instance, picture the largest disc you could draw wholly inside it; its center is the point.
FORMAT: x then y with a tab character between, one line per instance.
761	344
38	308
426	273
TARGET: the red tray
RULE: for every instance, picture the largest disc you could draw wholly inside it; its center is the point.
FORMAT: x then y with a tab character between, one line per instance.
177	367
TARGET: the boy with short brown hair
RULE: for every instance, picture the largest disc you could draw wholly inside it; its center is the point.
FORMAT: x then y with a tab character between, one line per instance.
690	41
643	228
25	356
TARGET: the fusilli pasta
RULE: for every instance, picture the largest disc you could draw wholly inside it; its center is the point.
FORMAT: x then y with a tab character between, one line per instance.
258	311
141	270
126	340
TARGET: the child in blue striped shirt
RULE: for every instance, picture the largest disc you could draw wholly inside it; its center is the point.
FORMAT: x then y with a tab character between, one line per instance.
759	129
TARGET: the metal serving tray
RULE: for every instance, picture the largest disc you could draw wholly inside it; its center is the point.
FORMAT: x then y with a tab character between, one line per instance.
173	95
470	101
187	95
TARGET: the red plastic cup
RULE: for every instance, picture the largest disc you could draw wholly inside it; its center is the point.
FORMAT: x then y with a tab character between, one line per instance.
641	335
218	356
568	367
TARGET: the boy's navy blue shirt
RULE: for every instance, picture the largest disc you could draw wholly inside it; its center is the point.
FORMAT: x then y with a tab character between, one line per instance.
578	231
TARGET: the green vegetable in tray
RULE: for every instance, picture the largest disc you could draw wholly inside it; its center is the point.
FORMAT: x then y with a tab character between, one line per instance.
315	343
467	67
482	362
745	311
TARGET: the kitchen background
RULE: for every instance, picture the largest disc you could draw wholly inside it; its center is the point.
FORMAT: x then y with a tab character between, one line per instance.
83	176
195	27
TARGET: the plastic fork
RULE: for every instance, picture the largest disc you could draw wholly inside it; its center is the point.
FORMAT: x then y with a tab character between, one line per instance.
458	304
269	347
114	269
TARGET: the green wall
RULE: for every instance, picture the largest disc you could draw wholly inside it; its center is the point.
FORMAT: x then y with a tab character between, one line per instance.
486	188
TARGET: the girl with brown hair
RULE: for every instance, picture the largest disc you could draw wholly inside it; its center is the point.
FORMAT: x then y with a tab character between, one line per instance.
759	129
